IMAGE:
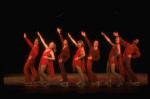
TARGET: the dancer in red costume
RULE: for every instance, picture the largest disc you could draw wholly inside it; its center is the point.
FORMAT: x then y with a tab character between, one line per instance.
30	61
129	49
62	58
112	61
79	60
94	55
46	60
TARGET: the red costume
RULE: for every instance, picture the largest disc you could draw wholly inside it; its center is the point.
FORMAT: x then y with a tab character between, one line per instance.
95	57
80	62
30	63
45	61
129	74
119	63
64	55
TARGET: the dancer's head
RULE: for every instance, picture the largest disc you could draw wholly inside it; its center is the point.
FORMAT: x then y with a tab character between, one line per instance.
118	40
96	43
136	41
52	46
80	43
65	42
36	41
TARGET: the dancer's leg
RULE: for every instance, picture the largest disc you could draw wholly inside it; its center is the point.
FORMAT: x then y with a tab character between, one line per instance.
114	73
108	71
34	73
80	73
41	72
26	72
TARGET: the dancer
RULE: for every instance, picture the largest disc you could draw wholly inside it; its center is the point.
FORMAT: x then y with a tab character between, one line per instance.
30	62
94	55
112	60
79	60
46	60
129	49
62	58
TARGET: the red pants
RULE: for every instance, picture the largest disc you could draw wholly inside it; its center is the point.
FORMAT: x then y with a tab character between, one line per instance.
90	74
129	74
30	64
63	72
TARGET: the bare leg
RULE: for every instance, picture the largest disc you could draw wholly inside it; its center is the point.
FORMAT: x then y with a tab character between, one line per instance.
41	72
114	73
80	73
108	71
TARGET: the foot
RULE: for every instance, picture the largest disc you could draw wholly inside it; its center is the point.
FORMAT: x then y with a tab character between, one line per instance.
61	80
135	83
36	81
119	85
108	83
78	83
64	84
46	85
96	84
28	83
81	85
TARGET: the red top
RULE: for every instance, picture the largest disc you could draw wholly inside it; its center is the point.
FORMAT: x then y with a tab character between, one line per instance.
113	51
65	53
119	63
43	60
130	50
94	53
80	62
35	49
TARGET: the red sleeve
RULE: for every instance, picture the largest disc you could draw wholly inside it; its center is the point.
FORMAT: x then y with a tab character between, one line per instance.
36	51
29	42
88	42
61	38
96	57
124	43
137	53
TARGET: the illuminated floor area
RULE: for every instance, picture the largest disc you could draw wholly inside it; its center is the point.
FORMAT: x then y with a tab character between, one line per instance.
14	83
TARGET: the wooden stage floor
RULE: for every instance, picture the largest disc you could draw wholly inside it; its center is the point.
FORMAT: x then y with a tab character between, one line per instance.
14	83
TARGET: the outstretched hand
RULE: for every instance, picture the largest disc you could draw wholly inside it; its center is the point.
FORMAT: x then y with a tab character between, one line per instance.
58	30
38	34
115	34
83	33
69	35
25	35
102	33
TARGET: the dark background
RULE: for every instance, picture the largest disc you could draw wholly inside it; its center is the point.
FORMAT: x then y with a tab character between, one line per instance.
73	17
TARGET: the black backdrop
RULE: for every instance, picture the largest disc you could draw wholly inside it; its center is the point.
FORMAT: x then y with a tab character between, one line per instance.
73	17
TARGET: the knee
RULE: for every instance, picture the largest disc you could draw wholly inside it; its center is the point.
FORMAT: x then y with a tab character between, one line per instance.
39	72
113	72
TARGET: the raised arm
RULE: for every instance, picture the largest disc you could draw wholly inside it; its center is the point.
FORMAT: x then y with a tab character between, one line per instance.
28	41
42	40
86	39
103	34
123	42
72	40
60	35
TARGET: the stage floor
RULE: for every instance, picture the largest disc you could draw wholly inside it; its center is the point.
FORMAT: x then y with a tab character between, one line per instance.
14	83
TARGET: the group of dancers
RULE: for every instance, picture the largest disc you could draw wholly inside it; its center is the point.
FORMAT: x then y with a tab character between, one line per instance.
80	62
